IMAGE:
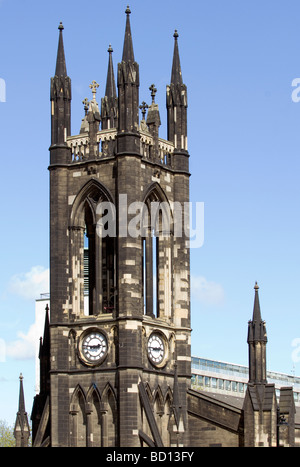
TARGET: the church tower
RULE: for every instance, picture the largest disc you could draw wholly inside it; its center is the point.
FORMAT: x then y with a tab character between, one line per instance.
118	364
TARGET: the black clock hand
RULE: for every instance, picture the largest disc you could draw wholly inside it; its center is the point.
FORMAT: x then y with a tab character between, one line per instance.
92	346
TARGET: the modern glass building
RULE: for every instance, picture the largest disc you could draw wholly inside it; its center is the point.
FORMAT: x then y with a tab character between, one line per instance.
230	379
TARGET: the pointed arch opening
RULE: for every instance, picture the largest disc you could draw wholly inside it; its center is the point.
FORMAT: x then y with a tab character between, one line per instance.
158	408
157	242
110	417
93	252
95	417
78	418
166	418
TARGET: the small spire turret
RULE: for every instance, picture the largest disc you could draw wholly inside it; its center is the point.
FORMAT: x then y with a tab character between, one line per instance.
128	92
60	97
177	110
109	103
176	75
22	428
257	340
128	54
61	68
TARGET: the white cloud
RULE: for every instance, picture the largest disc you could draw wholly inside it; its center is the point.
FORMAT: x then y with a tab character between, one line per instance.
24	347
207	292
31	284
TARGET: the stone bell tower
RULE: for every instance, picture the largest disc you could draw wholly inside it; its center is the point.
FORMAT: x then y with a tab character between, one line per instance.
117	364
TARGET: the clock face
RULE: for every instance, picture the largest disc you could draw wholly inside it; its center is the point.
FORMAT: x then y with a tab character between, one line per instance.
156	348
94	346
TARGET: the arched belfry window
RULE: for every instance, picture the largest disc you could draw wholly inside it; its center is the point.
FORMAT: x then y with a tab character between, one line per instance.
156	248
93	256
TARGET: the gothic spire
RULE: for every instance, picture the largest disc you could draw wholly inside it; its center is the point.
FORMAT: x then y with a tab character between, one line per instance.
61	69
60	97
256	307
21	396
257	340
44	354
176	76
177	110
110	90
128	95
46	338
21	430
257	331
128	55
109	103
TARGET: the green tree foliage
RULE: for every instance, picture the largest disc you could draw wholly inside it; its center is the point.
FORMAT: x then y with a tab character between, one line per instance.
7	439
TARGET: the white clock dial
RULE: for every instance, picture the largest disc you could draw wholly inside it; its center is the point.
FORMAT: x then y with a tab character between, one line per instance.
94	346
156	348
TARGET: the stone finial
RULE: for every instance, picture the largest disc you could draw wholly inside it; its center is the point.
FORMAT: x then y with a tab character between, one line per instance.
85	105
153	92
94	85
143	108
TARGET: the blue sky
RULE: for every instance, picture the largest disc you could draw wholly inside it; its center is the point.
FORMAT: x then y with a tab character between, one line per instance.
238	61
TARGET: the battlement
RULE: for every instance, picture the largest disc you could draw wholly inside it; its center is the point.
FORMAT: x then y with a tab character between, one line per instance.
107	147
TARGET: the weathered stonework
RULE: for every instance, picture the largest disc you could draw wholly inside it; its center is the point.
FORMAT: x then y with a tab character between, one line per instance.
116	354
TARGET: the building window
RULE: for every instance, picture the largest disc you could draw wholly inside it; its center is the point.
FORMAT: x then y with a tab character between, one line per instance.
150	274
99	264
156	262
200	380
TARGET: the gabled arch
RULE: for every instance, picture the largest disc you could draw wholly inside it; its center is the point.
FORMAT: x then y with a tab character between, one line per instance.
158	399
158	408
93	391
95	409
162	212
165	423
110	416
108	389
78	391
155	192
91	192
78	417
168	396
149	392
